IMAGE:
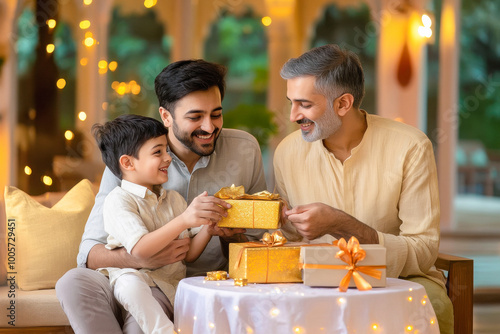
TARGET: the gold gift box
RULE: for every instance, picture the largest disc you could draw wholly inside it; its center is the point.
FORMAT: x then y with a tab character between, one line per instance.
252	214
264	264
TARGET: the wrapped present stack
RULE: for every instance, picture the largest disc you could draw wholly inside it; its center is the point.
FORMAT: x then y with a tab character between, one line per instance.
274	260
261	210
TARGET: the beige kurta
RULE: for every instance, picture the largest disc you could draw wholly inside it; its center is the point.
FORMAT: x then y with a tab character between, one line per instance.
389	183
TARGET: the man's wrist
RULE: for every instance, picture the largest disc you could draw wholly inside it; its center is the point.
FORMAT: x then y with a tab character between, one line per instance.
239	237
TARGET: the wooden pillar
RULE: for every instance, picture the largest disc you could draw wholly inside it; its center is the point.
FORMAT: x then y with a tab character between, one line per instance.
397	98
282	45
91	83
447	131
183	30
8	94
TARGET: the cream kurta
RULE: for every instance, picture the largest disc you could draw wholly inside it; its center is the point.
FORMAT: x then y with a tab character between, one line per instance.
389	183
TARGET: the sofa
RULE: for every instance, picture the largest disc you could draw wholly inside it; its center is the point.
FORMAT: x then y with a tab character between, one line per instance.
39	243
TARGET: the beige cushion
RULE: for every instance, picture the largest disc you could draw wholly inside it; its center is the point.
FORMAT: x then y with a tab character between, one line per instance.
32	309
46	239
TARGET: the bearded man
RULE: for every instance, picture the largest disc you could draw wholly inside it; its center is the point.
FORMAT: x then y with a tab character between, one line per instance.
349	173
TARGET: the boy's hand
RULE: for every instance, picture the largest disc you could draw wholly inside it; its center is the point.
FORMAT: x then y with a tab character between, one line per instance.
204	210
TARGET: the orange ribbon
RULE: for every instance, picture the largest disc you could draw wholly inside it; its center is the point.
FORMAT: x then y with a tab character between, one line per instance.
351	253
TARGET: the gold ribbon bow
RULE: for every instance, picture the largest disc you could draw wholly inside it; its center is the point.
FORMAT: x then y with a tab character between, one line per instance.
234	192
268	240
352	253
275	239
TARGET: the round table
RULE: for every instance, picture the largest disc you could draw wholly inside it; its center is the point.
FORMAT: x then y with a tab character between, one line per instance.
220	307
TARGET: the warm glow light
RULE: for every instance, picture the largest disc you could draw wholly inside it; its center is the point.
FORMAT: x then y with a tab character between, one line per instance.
105	107
149	3
249	330
266	21
236	308
47	180
82	116
61	83
426	20
27	170
298	330
211	325
87	2
425	30
102	64
135	89
50	48
341	301
409	328
433	322
194	318
113	65
84	61
51	23
410	299
424	302
69	135
85	24
274	312
374	327
399	119
122	88
89	41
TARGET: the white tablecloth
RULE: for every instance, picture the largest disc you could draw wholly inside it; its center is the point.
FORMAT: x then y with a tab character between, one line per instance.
220	307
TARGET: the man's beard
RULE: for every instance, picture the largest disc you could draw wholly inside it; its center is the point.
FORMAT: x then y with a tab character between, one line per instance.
324	127
187	140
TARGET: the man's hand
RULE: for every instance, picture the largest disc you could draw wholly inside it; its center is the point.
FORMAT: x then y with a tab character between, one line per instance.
224	232
312	220
317	219
101	257
173	252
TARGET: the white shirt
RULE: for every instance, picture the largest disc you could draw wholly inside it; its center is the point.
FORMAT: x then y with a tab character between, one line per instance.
132	211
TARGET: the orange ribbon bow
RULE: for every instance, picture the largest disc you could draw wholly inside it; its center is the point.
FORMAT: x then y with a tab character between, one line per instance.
352	253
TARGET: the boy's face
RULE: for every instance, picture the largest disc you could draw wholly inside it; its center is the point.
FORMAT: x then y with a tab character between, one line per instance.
150	168
197	122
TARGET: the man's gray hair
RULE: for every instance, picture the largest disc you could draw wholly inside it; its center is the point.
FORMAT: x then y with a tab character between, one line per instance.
337	72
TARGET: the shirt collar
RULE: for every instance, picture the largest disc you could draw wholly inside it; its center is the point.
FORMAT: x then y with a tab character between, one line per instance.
139	190
201	163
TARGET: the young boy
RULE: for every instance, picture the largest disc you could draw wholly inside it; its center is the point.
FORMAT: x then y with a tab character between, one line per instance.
143	217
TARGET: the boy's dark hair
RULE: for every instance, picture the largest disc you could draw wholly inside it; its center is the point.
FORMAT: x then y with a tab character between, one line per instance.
186	76
125	135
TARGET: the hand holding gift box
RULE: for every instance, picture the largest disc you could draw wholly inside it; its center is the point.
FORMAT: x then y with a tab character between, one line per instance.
261	210
335	265
272	261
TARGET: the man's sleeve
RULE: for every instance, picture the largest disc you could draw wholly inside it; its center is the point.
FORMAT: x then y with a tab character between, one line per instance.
94	229
415	249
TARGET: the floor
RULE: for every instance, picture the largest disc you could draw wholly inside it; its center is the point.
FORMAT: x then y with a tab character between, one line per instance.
484	249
